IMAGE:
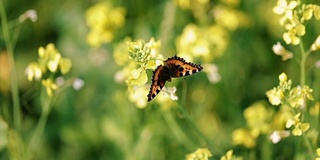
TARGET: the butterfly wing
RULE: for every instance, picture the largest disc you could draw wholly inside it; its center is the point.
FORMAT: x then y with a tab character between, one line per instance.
158	81
179	67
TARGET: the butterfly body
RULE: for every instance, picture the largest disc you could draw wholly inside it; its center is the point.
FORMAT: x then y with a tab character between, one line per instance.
173	67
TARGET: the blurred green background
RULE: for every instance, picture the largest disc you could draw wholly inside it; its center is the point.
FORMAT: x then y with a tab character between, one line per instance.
99	122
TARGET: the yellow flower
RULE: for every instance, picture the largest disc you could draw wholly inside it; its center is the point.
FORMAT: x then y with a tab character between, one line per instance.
65	65
205	42
199	154
103	20
316	11
283	77
299	95
315	110
140	52
229	17
50	86
229	156
316	44
318	154
244	137
53	63
284	8
290	38
257	117
299	127
275	96
137	95
34	71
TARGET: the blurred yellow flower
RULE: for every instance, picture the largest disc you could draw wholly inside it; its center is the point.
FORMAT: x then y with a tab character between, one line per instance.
137	95
316	44
65	65
50	86
229	156
50	64
33	71
318	154
244	137
230	18
199	154
315	110
258	118
103	19
207	42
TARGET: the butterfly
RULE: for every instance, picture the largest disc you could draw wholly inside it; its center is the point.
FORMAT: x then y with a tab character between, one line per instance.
173	67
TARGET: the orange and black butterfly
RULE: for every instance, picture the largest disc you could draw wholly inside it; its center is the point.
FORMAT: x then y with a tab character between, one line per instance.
173	67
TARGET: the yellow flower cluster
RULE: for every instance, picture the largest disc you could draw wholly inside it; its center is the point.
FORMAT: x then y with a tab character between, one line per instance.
207	43
258	119
292	98
318	154
294	15
103	20
145	56
229	156
199	154
198	7
136	58
49	64
277	94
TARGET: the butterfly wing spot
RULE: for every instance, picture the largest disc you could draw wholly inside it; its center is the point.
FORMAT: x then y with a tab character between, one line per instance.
194	71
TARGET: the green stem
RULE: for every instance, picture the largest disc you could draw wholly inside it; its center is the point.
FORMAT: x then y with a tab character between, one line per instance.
302	64
14	79
41	125
309	146
175	128
167	25
191	122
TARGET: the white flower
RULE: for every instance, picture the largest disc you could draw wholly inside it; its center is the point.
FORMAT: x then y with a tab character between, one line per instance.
277	135
78	84
29	14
